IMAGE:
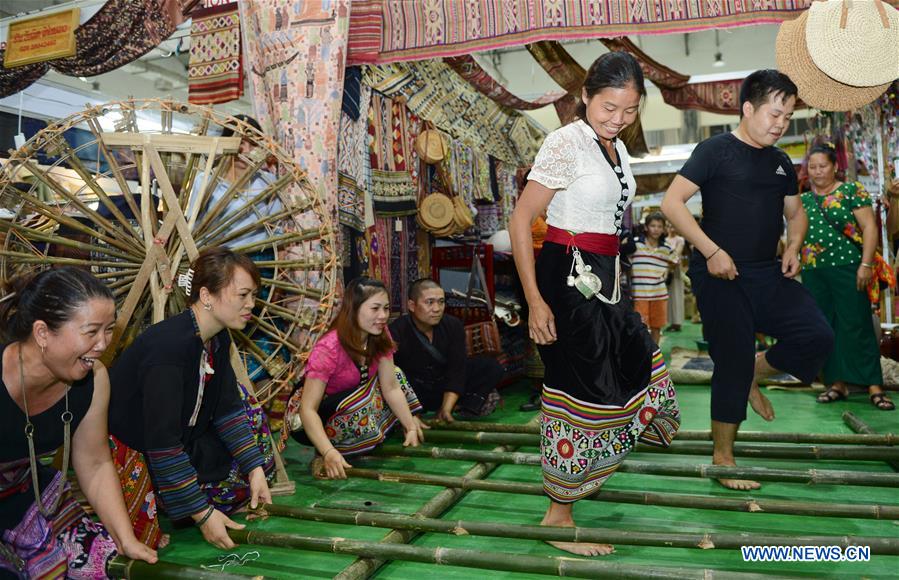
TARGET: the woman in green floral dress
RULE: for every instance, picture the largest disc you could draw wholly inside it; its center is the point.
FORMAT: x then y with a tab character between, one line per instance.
837	260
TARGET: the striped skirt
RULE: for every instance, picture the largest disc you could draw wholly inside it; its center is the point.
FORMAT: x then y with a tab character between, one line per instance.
583	443
227	495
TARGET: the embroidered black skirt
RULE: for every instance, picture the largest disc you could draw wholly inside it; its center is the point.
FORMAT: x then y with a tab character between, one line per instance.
604	352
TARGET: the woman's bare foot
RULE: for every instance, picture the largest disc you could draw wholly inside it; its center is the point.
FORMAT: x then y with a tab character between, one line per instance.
164	541
579	548
736	484
760	403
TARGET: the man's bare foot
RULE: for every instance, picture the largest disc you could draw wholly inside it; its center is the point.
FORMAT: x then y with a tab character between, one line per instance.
737	484
579	548
760	403
164	541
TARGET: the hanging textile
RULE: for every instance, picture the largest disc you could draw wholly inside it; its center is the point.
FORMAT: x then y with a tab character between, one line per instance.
120	32
295	59
352	161
467	67
352	92
215	69
385	31
393	190
713	96
434	92
507	184
566	71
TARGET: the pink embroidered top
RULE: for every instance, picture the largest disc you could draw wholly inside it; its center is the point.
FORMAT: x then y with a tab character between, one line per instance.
329	362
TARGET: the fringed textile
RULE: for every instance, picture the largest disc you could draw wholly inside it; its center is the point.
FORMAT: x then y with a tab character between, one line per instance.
434	92
583	443
350	203
393	193
215	70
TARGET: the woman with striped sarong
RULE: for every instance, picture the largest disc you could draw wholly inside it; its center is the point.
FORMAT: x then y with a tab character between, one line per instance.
605	385
185	436
343	407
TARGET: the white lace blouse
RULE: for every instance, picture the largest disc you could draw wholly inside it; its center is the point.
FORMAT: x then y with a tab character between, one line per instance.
589	195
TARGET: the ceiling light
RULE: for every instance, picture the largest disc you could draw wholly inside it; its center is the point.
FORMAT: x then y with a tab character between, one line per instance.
719	60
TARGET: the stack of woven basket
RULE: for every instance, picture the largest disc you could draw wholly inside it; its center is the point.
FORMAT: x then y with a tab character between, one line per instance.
841	54
442	215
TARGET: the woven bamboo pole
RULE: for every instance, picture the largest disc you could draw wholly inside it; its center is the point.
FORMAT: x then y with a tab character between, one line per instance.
687	435
859	426
121	567
816	476
703	540
822	509
550	565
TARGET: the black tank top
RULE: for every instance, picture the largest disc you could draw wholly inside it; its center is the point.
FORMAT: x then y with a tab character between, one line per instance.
48	436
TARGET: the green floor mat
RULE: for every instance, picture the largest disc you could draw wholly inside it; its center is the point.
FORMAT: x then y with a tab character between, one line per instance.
796	411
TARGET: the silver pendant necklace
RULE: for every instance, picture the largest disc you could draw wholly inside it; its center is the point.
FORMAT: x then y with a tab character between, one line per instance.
29	435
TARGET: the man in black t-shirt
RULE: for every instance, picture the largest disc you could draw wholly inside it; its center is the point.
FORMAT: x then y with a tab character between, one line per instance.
748	187
431	352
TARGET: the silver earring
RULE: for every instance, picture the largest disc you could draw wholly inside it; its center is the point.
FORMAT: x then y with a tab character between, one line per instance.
207	306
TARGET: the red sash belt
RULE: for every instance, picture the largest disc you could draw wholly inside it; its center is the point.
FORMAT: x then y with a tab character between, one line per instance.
603	244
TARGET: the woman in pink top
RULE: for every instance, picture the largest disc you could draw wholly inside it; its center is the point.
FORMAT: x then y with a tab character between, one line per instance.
349	376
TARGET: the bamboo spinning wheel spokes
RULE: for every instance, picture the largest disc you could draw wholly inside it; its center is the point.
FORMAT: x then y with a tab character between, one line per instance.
155	183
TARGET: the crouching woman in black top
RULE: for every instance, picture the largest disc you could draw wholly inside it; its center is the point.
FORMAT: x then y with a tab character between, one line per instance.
53	394
179	415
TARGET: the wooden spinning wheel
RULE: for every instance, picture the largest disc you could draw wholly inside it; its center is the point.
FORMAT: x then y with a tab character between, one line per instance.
154	183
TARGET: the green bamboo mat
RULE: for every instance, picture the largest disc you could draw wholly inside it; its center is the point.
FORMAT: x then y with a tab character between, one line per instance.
797	411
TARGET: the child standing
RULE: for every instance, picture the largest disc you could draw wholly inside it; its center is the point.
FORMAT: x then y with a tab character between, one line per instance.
650	266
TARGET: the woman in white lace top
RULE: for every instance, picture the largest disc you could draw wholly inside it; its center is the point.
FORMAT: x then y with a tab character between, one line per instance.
605	385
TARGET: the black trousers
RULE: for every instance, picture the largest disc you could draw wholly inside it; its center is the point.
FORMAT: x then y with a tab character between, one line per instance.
482	375
762	300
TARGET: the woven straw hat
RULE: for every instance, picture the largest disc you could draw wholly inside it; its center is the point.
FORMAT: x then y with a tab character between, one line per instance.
816	88
855	42
436	211
431	146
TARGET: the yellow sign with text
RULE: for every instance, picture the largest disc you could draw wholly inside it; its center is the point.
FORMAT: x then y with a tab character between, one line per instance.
41	38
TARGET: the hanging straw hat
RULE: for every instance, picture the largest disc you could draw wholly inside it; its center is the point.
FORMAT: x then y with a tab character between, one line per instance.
816	88
436	211
854	42
431	146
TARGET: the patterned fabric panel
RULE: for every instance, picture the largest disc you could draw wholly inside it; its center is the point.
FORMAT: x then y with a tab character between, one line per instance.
215	71
582	444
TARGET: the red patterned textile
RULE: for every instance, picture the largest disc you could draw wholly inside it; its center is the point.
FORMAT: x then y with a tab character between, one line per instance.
466	66
215	72
384	31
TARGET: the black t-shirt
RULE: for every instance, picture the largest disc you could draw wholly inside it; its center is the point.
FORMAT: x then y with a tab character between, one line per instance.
743	189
